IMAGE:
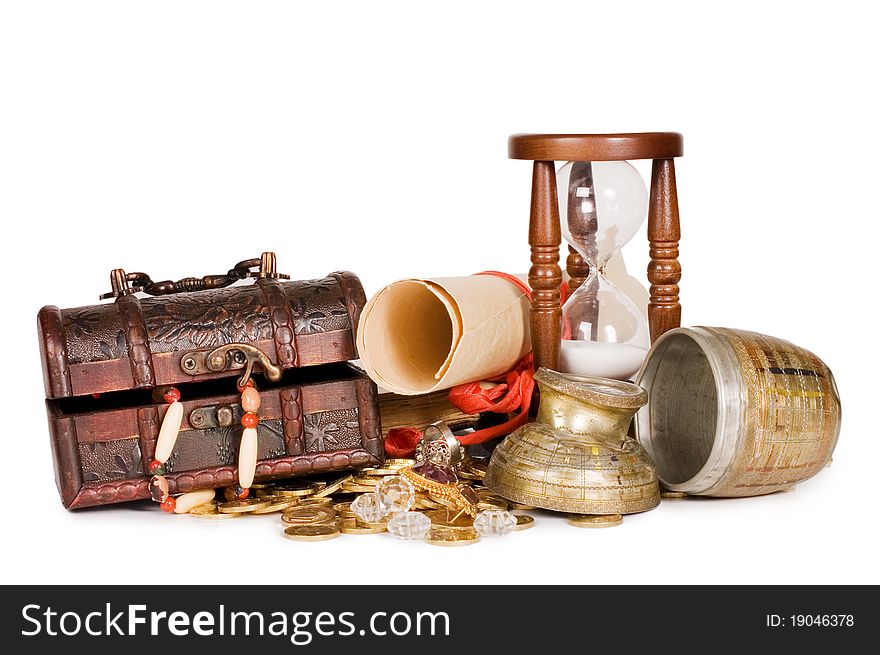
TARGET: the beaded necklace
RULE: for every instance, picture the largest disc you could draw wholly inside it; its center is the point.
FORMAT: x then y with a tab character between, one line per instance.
247	450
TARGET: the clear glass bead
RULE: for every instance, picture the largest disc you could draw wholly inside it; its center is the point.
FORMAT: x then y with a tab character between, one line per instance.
494	523
409	525
369	507
397	494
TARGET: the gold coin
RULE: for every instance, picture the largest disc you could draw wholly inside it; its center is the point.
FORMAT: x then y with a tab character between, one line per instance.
489	500
524	522
311	500
380	472
307	515
294	493
333	487
214	515
595	520
476	466
672	494
483	505
443	518
350	526
443	502
366	480
358	488
311	532
241	506
380	525
343	509
423	502
446	537
300	483
467	475
398	462
208	508
276	504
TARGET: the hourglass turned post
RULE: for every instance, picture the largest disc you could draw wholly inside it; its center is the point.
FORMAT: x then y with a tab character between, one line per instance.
664	270
545	276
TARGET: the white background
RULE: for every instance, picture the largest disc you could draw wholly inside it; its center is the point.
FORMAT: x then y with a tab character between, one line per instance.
181	137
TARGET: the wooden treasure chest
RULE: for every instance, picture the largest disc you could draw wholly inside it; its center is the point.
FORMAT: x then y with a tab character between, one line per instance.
106	365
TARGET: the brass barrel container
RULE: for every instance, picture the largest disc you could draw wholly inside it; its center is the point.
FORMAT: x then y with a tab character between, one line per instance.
576	457
735	413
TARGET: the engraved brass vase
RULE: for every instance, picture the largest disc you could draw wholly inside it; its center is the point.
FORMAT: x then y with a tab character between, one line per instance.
577	457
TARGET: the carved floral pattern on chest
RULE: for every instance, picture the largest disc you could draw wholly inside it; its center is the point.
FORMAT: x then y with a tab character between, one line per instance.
334	430
317	306
93	334
111	460
206	319
199	449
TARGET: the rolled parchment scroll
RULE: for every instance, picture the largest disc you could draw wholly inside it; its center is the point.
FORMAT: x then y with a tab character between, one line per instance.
422	335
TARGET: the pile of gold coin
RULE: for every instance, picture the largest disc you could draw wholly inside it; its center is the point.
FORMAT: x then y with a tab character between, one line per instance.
321	510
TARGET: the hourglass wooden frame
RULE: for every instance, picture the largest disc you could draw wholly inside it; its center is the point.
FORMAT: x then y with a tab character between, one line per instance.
545	275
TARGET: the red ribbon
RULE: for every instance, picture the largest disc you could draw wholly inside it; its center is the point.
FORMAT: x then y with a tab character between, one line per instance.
503	395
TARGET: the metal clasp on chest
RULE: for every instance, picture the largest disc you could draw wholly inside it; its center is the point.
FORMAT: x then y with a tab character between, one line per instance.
230	357
215	416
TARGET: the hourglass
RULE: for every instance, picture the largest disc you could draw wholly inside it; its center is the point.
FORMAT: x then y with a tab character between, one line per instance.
601	206
602	202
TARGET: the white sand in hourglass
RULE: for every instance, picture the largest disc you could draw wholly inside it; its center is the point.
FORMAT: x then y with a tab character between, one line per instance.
608	360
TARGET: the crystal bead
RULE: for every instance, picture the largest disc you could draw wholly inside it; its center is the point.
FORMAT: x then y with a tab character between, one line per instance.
369	507
397	494
409	525
494	523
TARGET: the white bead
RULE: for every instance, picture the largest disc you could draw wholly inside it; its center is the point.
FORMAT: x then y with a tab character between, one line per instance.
369	507
409	525
397	494
247	457
192	499
494	523
168	432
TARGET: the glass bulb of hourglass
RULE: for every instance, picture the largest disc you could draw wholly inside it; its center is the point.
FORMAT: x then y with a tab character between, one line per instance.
602	205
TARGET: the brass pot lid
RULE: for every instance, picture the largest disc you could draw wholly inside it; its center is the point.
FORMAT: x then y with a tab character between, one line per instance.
598	391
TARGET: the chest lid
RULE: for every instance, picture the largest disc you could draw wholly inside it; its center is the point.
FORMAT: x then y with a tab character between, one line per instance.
198	329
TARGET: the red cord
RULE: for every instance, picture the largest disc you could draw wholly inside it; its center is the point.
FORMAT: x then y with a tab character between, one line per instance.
512	391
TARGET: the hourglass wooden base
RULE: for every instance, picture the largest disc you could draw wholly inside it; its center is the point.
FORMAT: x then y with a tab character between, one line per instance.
545	275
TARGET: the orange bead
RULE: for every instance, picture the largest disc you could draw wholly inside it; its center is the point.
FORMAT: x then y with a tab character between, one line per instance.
168	504
250	400
171	395
250	420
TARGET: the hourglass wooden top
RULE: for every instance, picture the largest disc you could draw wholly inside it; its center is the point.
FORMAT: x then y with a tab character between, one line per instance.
595	147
